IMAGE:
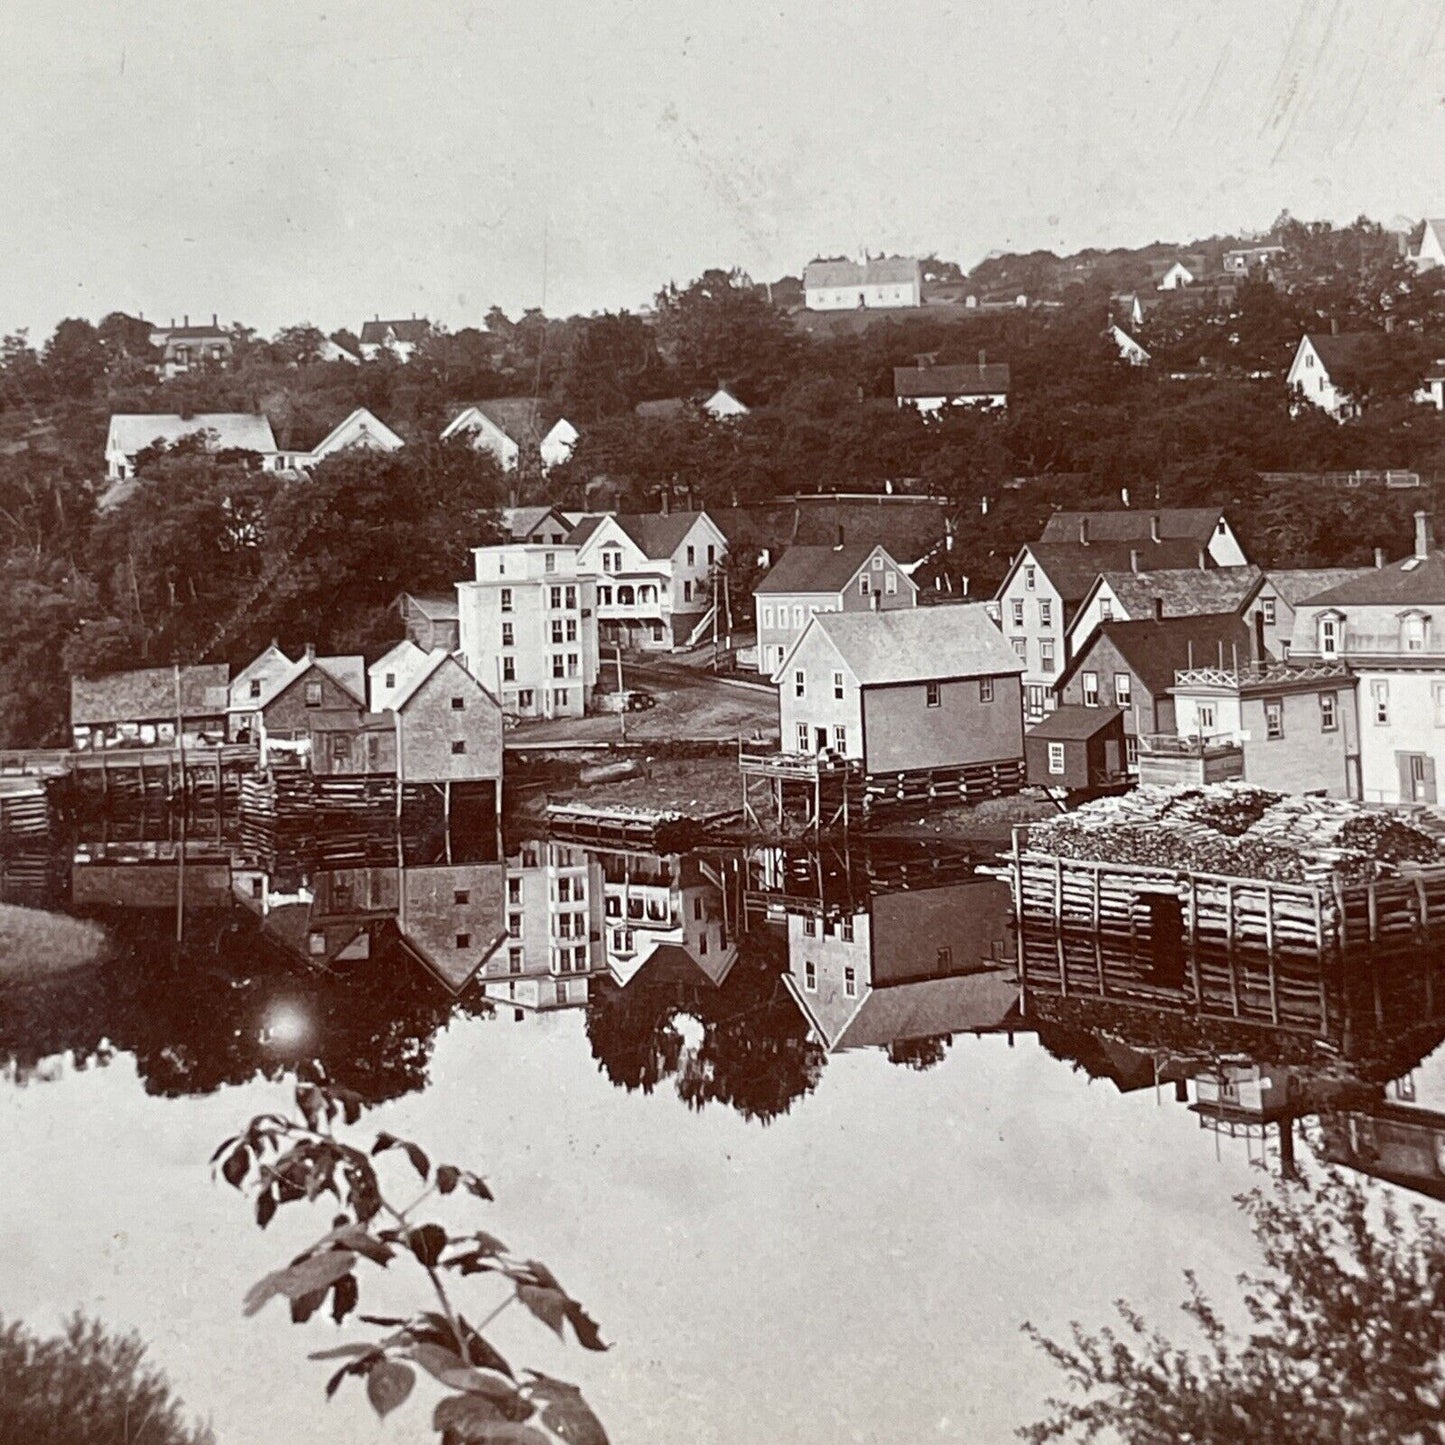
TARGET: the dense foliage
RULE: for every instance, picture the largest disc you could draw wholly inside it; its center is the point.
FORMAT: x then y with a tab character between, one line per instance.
208	558
86	1384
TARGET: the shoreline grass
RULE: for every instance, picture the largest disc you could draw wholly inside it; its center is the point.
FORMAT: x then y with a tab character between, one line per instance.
36	945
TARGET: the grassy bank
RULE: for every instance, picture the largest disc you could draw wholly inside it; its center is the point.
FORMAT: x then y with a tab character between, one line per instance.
35	945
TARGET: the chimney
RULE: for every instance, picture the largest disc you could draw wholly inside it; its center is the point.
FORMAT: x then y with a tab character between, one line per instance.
1389	326
1258	635
214	322
839	543
310	652
666	499
1203	560
185	320
1154	528
1424	534
1134	560
982	360
1083	531
1379	557
1159	609
1334	325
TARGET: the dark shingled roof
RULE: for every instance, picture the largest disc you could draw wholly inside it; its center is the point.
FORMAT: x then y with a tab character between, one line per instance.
1072	566
1123	524
1295	584
1155	651
149	694
664	409
817	569
1075	723
378	332
908	527
523	418
971	379
1185	592
1340	350
657	535
1412	582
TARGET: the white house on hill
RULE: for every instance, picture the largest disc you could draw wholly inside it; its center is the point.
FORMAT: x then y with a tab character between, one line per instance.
888	281
1318	361
1432	247
398	338
515	429
361	431
131	433
930	388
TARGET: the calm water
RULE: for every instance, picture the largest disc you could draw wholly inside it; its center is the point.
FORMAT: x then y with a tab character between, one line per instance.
791	1125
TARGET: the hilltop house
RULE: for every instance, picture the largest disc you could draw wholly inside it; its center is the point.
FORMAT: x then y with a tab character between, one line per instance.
858	578
1177	275
1319	360
928	387
1131	666
222	431
1431	252
187	348
721	405
395	338
1387	626
1050	579
517	430
1185	592
888	281
1129	349
1250	260
653	573
910	690
139	709
361	431
528	626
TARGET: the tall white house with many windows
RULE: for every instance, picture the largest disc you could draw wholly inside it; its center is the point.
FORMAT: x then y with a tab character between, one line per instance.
527	627
1387	625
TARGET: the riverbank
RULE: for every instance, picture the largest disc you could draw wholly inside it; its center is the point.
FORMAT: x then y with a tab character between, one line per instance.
35	945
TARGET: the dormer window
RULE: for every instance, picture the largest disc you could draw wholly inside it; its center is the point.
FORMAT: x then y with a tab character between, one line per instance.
1031	577
1330	635
1414	631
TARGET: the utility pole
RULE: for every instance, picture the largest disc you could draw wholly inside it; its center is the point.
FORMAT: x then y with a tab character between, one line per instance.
621	695
180	731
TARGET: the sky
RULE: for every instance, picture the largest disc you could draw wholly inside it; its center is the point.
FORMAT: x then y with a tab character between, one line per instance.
276	161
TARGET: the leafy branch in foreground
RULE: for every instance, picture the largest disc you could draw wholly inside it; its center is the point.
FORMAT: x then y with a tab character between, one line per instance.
1347	1345
289	1160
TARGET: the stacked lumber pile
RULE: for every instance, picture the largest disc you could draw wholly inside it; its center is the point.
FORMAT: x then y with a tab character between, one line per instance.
1238	830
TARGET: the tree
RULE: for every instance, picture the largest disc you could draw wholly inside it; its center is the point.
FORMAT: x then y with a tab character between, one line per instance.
1346	1346
289	1160
298	345
75	359
86	1384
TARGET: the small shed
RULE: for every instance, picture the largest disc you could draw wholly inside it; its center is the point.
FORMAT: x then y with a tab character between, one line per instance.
1076	747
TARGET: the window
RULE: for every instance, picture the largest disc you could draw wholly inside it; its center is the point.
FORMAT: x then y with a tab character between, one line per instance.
559	668
934	697
1329	710
459	746
1273	718
810	927
1091	689
507	636
1046	654
890	583
803	738
800	684
1131	750
810	977
524	698
985	689
850	982
549	561
687	591
692	556
1412	631
554	597
840	738
571	595
1018	611
256	684
1046	612
464	940
1267	607
798	614
1380	698
556	630
877	564
559	697
1021	646
560	989
316	944
572	666
458	704
1205	715
845	930
863	585
1106	609
313	694
1056	759
838	686
340	748
711	555
767	615
509	669
1123	688
1329	637
461	896
1031	577
506	603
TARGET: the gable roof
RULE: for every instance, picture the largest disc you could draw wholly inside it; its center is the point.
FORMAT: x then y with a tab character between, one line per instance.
971	379
405	651
1418	581
132	432
434	606
379	332
521	522
908	527
430	665
206	332
1073	566
1155	651
349	673
915	644
657	536
883	271
1184	591
662	409
1339	349
1126	524
524	419
1295	584
926	1008
149	693
1073	722
827	570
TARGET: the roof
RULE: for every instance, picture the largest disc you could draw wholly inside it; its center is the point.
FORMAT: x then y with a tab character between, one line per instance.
521	522
1155	651
908	527
1298	583
523	418
149	693
917	644
1420	582
929	1007
435	608
349	672
1075	723
1123	524
208	332
423	670
404	651
1073	566
663	409
1339	349
132	432
971	379
884	271
656	534
1184	591
379	332
827	570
